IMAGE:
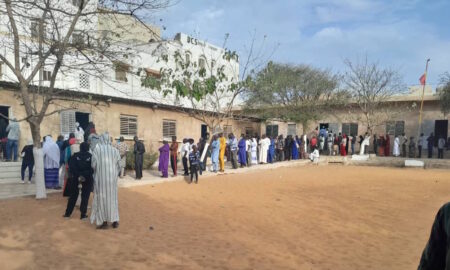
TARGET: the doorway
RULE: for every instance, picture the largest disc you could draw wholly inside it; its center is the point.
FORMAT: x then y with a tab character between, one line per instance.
5	111
82	119
440	130
204	131
323	126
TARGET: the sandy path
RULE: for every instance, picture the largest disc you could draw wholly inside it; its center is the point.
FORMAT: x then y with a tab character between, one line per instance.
325	217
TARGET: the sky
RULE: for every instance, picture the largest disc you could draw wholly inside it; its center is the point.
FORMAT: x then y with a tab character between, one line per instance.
399	34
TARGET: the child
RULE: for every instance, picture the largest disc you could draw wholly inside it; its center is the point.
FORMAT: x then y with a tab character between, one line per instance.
194	160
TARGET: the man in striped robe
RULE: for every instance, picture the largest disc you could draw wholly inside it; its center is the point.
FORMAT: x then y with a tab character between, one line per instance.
106	165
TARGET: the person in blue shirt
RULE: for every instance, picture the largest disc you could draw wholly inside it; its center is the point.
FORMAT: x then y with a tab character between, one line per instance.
194	162
215	149
233	144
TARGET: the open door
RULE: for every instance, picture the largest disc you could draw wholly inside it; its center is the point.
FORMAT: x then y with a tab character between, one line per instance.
440	130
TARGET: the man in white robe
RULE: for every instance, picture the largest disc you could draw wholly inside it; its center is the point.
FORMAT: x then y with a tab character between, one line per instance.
106	165
396	150
264	143
254	147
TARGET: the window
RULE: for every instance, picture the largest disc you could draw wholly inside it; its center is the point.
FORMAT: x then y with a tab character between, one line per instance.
395	128
292	129
249	131
77	38
34	29
202	62
46	75
188	57
350	129
128	125
67	122
152	73
169	129
76	3
227	129
272	130
121	70
84	81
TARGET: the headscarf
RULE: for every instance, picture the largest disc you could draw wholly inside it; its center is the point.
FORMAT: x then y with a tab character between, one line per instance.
51	149
84	147
104	139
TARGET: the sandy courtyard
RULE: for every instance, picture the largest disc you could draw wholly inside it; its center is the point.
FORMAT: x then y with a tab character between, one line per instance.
325	217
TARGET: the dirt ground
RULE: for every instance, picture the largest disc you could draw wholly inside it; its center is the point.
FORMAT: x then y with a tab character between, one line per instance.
310	217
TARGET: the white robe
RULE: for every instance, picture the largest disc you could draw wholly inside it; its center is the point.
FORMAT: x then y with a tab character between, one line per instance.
254	149
106	165
265	143
396	150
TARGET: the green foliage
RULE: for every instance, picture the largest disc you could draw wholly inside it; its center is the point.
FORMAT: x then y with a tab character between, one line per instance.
297	93
444	94
149	160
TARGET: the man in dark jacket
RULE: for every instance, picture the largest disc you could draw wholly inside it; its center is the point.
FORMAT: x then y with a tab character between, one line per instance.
80	172
436	255
139	150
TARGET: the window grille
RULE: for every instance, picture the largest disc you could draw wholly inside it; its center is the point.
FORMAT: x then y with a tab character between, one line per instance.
169	129
84	81
128	125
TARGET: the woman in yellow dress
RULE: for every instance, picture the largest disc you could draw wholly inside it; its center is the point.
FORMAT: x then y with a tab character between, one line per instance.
223	145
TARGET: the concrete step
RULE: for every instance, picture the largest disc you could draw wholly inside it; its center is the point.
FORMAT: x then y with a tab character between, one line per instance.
10	169
10	174
10	164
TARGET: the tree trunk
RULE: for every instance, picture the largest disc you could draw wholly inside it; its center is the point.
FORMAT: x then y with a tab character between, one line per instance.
38	161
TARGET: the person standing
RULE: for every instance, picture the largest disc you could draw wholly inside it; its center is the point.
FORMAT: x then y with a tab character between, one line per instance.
343	144
288	148
106	165
404	142
295	147
375	144
185	150
164	152
330	144
174	155
51	163
123	149
396	150
271	153
3	138
254	151
264	146
412	147
215	149
13	130
430	145
352	142
441	145
233	145
280	148
194	162
248	147
139	150
80	167
27	161
387	147
420	144
79	132
223	146
242	152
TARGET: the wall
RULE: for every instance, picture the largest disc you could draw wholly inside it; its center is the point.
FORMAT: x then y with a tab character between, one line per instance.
106	118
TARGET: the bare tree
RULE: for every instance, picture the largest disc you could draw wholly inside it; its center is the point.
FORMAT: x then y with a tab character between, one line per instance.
297	93
51	39
210	92
372	88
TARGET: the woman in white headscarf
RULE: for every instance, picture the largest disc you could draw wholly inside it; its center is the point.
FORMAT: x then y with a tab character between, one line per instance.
106	165
79	133
254	148
51	163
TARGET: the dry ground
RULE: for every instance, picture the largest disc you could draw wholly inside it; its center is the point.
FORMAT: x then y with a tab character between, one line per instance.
311	217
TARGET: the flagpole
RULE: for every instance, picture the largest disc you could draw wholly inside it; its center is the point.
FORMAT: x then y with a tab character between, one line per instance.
421	103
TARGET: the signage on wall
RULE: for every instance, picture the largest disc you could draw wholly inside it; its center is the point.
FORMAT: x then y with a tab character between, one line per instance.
194	41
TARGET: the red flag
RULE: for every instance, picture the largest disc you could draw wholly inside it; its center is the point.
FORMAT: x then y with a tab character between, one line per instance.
423	79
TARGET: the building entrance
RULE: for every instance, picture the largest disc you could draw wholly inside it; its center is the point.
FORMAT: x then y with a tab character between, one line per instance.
4	110
440	130
82	119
